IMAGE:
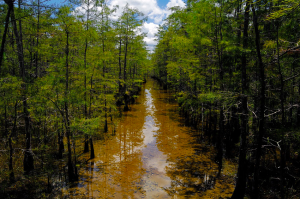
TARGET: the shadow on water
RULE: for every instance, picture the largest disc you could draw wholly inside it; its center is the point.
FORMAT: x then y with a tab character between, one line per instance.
152	155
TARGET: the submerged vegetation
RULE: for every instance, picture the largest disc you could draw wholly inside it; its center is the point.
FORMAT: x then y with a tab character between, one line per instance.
235	68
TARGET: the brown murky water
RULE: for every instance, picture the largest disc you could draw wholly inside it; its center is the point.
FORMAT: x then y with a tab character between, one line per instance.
153	155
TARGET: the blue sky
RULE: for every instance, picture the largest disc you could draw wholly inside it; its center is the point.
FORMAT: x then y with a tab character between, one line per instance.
162	3
156	10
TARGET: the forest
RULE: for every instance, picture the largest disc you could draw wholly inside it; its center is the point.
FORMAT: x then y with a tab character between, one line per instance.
67	75
234	67
63	74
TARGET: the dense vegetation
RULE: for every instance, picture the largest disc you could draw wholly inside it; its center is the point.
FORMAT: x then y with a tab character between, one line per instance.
234	65
63	72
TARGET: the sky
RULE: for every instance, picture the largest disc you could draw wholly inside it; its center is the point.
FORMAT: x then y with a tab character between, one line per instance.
155	10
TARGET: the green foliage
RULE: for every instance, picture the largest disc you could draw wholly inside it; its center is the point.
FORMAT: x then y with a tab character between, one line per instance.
210	97
284	8
201	54
72	74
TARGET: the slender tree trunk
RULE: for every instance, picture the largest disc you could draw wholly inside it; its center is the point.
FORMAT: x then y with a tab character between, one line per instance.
90	109
11	174
60	145
60	142
37	43
28	155
4	37
105	122
92	149
71	172
126	96
10	163
86	142
125	59
11	151
283	122
220	141
261	132
103	43
240	188
221	122
120	65
125	52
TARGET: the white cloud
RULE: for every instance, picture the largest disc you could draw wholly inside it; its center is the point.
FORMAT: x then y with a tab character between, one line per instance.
151	29
149	8
173	3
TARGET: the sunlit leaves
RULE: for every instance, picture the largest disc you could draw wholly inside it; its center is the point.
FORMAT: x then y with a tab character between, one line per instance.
286	7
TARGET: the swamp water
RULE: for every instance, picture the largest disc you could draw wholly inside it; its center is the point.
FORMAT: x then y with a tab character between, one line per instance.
153	155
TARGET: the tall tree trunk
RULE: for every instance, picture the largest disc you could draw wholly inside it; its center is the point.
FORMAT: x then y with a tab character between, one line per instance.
126	96
125	55
71	172
125	58
261	132
120	65
103	43
283	122
28	155
86	142
221	122
4	37
240	188
37	43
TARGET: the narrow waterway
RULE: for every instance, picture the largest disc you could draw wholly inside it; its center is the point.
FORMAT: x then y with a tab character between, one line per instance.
153	155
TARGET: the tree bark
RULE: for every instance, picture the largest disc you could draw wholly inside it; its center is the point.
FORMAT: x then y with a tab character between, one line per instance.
71	172
86	143
220	135
120	66
4	37
105	122
92	149
261	132
283	122
240	188
37	42
28	155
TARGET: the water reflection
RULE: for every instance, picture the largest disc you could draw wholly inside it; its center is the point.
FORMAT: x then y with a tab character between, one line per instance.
152	155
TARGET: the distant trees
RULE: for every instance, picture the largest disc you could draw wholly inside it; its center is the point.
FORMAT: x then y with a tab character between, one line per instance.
233	65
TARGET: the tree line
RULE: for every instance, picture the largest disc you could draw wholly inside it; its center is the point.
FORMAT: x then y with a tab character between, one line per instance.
63	73
234	65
